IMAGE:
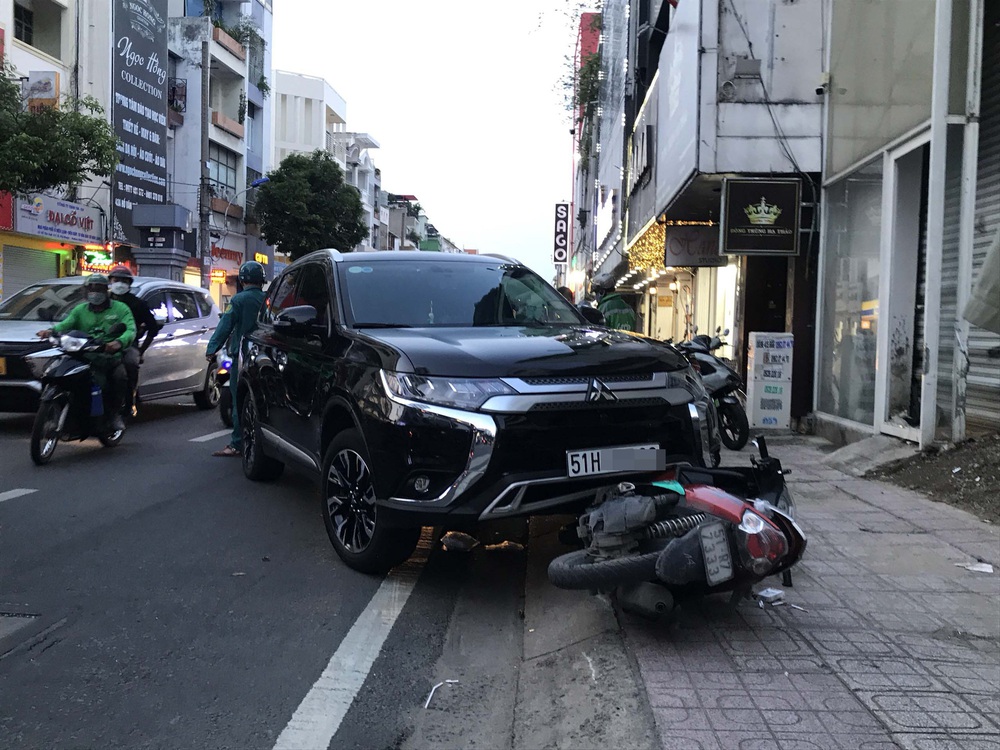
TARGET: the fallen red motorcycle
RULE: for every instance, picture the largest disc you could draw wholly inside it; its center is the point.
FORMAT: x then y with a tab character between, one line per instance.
686	533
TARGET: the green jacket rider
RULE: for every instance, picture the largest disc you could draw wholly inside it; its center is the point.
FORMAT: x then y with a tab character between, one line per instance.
96	317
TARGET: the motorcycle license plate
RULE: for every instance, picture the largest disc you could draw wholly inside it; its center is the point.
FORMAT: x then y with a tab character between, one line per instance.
611	460
3	366
715	548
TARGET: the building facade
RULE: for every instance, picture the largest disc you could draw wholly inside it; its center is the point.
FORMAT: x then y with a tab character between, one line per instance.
911	201
712	96
231	126
44	236
311	116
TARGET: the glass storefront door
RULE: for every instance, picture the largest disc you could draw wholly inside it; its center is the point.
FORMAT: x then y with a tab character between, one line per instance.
849	315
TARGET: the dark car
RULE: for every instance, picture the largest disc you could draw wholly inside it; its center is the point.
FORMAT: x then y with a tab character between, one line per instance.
437	389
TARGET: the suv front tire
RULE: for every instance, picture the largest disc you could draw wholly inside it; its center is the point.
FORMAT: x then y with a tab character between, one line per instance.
350	512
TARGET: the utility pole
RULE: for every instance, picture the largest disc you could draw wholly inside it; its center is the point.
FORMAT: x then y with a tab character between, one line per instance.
205	210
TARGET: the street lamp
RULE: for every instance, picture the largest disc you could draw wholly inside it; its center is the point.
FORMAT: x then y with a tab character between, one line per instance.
256	183
225	218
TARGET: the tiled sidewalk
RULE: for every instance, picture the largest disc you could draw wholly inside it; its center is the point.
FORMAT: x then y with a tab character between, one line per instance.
898	647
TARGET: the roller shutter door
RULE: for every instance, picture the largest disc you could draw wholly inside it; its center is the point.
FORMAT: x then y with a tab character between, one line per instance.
983	402
23	267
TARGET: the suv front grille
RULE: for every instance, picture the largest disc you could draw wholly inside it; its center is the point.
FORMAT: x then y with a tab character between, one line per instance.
538	441
585	379
630	403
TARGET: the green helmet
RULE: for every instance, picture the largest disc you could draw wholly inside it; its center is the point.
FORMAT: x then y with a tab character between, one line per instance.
96	279
252	272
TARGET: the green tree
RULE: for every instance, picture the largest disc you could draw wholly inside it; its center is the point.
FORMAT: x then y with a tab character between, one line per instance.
51	148
306	206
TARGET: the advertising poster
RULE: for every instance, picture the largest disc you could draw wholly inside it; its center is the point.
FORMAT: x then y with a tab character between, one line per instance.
139	110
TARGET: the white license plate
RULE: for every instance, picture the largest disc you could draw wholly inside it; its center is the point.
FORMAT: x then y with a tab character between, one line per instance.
715	548
612	460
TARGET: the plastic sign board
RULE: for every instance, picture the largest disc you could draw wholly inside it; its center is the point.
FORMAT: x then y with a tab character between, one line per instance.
560	248
769	380
760	217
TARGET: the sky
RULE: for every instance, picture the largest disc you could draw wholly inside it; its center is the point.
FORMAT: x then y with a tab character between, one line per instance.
464	98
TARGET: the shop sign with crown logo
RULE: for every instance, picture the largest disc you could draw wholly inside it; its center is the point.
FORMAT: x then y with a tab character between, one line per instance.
760	217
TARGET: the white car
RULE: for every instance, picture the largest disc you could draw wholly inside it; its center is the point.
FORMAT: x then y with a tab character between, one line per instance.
174	365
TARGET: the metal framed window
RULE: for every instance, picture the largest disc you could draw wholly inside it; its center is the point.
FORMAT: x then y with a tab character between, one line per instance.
24	24
222	165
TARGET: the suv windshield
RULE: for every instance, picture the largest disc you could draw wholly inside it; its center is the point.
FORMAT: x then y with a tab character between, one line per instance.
42	302
403	293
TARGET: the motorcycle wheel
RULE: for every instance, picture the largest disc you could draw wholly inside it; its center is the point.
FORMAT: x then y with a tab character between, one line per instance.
577	570
733	426
226	407
111	439
45	432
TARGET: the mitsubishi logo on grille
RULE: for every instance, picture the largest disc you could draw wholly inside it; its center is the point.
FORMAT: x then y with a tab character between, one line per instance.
598	391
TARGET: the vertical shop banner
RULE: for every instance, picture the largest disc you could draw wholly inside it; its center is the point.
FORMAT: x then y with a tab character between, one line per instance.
761	217
560	247
139	110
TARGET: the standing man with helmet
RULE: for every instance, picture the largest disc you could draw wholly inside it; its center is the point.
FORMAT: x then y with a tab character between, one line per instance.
238	320
146	327
96	317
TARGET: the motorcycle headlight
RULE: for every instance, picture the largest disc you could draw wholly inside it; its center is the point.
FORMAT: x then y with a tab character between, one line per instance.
458	393
71	343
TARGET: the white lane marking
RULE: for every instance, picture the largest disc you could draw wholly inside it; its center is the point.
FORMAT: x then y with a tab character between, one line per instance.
11	494
212	436
319	714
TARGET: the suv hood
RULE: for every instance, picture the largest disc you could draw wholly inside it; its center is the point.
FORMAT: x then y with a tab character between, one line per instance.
524	352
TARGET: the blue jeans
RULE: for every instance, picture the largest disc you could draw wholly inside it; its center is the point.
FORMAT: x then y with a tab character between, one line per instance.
236	440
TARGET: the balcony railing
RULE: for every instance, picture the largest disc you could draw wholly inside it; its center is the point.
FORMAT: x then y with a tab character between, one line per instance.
227	124
230	44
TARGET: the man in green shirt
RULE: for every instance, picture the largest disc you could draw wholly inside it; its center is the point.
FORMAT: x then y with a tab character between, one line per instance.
239	319
96	317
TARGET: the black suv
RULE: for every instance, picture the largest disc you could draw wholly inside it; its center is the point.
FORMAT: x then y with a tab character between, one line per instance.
444	390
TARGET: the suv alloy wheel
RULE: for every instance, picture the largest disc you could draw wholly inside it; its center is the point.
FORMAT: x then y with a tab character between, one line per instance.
256	465
350	512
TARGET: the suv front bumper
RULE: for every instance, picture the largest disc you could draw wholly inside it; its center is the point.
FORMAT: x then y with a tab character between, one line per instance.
480	466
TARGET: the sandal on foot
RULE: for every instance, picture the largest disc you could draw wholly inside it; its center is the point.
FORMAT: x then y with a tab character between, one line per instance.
228	452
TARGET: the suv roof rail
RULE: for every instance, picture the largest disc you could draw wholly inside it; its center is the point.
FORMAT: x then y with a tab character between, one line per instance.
502	257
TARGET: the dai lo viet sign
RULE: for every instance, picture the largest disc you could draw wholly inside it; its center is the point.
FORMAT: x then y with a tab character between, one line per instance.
760	217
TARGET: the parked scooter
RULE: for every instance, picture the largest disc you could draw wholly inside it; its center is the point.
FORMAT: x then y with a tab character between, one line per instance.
71	405
723	384
688	533
224	363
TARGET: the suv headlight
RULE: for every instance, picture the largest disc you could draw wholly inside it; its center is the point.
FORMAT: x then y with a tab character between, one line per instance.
458	393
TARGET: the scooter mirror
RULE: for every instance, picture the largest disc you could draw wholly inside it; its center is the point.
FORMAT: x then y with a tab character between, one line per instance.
725	332
116	330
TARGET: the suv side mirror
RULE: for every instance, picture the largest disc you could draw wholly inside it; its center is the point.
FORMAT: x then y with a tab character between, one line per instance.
593	315
296	319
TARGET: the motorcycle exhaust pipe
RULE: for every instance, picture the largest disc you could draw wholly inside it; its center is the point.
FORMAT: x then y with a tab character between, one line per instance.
645	599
